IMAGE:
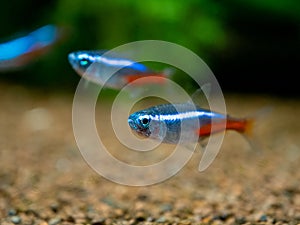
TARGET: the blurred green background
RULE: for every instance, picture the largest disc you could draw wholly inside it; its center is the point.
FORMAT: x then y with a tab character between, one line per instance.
251	45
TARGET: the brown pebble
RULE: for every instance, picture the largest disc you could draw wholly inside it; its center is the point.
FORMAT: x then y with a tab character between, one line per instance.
98	222
80	220
43	223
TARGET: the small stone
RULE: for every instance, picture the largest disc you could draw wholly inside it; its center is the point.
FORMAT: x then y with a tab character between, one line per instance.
80	221
206	220
98	222
54	221
222	217
15	219
140	218
240	220
110	202
161	220
70	219
150	219
263	218
166	207
119	212
12	212
142	197
54	207
66	223
131	222
43	223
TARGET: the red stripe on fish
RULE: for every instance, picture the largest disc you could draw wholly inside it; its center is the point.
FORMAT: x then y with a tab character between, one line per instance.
147	78
240	125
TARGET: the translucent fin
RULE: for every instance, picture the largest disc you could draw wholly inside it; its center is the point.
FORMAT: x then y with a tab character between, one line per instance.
252	127
211	150
249	128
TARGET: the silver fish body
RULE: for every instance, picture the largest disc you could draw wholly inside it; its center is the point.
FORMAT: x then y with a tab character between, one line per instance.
107	70
172	123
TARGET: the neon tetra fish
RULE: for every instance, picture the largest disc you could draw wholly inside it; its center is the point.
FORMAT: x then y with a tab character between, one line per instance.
111	70
163	123
19	52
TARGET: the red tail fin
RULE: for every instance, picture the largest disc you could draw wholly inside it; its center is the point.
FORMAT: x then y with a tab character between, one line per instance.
249	127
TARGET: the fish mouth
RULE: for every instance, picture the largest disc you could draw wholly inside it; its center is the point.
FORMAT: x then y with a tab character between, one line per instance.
138	130
143	133
132	124
72	58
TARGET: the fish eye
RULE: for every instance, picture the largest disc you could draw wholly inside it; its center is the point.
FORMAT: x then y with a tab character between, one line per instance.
84	62
145	121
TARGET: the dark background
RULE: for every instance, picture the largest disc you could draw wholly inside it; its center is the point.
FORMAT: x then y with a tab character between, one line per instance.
251	46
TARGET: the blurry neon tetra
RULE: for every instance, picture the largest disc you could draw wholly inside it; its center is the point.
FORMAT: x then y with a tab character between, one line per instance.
163	123
21	51
113	71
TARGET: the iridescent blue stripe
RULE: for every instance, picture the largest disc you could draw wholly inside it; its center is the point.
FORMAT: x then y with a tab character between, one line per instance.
122	63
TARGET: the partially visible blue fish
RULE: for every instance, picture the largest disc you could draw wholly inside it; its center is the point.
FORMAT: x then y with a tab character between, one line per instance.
111	70
19	52
163	123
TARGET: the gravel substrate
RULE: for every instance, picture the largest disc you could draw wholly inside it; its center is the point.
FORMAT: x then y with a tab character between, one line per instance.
45	180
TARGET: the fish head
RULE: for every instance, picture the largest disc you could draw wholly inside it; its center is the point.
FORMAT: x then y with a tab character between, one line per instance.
81	61
147	124
139	122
